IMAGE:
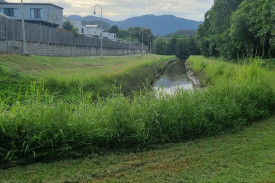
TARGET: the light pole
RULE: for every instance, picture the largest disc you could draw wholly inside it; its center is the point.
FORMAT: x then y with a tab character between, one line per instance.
24	51
141	40
101	28
148	44
155	46
129	42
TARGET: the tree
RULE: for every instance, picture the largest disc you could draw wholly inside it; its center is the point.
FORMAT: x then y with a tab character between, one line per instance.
114	29
69	26
216	22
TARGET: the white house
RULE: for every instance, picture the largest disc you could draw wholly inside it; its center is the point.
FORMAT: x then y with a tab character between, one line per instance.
77	24
111	36
92	30
95	30
42	13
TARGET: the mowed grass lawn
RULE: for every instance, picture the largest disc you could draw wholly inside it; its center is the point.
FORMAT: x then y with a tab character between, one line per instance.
247	156
77	68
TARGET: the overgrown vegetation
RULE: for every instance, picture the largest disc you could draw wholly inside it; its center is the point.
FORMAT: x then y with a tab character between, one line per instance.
43	127
212	70
246	156
62	76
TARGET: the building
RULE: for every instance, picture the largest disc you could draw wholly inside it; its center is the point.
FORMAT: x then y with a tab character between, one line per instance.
95	30
92	30
108	35
77	24
40	13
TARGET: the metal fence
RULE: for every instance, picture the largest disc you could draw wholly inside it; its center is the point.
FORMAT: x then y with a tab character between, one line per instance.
12	30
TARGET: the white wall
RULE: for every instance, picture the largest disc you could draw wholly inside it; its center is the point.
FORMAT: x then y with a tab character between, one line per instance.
111	36
93	31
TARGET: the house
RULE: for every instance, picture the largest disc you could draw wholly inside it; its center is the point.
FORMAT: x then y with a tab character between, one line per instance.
40	13
111	36
92	30
77	24
95	30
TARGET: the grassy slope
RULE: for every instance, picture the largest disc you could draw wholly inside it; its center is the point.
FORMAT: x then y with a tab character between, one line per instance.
73	68
210	69
67	74
247	156
244	157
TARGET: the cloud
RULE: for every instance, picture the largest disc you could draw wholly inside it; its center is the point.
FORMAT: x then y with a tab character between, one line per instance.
122	9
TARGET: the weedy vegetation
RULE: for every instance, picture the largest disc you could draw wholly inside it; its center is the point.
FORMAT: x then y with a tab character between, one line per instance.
43	127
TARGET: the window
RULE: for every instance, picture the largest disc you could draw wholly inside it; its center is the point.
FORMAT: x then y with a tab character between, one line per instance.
11	12
36	13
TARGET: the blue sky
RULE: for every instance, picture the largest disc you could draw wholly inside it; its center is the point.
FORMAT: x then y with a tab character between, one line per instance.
122	9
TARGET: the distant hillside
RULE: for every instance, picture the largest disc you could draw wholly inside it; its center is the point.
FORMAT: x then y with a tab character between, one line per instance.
182	32
160	25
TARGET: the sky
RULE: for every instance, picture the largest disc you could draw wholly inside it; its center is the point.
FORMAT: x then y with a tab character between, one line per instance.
123	9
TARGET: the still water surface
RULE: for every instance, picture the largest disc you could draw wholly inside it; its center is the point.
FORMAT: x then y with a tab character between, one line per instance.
173	78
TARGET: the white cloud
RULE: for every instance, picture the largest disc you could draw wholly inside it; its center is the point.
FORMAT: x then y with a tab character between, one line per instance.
122	9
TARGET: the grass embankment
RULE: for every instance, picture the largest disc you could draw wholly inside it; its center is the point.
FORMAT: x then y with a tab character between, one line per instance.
67	75
212	70
44	128
244	157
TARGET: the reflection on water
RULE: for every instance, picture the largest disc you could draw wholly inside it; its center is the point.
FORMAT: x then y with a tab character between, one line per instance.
173	78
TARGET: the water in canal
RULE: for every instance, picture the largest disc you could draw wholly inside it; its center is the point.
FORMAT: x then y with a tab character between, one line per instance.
173	78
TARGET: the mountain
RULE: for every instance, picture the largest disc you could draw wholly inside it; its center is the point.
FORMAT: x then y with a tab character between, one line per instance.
160	25
182	32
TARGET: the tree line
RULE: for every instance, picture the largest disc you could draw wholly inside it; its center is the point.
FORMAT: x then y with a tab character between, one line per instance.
181	46
135	34
238	28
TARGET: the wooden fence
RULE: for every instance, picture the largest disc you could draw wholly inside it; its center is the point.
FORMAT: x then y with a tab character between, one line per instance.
12	30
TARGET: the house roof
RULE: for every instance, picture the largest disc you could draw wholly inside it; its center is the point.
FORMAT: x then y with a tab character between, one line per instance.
31	4
91	26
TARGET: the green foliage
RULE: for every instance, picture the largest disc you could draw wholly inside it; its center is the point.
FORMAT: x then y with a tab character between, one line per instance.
137	34
183	32
182	47
211	159
238	28
68	25
63	76
45	127
114	29
140	33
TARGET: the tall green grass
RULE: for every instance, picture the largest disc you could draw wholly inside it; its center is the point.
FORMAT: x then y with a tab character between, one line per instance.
65	76
45	127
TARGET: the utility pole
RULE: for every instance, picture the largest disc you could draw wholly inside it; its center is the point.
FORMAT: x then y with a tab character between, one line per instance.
24	45
101	29
148	44
141	39
155	46
129	42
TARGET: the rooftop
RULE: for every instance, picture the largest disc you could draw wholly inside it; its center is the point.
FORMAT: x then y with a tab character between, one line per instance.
50	4
91	26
